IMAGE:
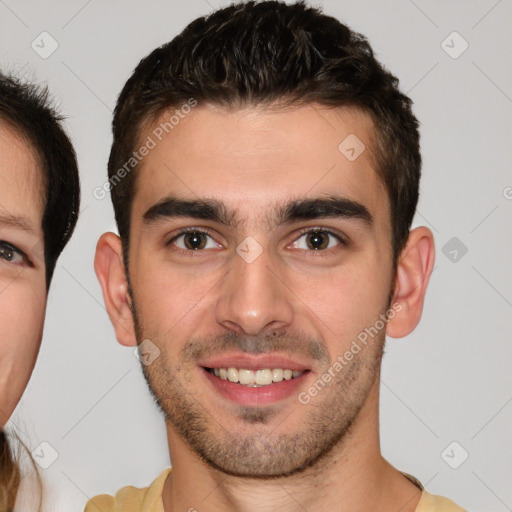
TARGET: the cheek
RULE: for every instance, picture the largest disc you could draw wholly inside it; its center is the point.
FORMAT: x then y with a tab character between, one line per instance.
348	298
167	301
22	309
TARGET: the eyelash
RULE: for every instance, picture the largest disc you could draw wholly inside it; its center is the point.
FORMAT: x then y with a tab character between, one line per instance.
316	254
7	247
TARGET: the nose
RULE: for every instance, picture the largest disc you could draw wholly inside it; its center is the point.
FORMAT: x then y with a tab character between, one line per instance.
254	297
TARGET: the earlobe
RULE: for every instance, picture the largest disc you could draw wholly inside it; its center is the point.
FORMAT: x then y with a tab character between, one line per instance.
413	273
109	268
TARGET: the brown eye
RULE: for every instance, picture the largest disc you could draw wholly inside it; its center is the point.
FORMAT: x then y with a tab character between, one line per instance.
317	240
195	240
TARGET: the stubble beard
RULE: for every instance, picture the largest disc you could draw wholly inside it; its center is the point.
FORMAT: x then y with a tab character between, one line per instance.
268	451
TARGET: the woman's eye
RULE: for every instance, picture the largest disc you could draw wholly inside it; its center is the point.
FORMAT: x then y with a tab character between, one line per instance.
194	241
9	253
317	240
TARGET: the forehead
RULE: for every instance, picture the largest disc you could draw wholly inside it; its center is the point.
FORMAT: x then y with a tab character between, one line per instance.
253	158
21	183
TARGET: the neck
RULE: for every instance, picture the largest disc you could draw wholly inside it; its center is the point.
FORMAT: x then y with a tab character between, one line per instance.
353	476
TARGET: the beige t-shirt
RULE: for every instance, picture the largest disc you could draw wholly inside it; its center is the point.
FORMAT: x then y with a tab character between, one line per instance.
149	499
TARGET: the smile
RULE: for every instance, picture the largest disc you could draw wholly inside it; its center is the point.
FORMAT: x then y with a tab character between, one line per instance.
255	378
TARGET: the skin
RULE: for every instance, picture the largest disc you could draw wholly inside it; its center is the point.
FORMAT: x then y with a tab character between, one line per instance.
290	300
22	269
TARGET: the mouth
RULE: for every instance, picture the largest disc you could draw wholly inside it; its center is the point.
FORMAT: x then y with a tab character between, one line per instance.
255	378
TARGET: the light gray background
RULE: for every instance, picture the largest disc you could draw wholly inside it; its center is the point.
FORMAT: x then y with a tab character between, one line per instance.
448	381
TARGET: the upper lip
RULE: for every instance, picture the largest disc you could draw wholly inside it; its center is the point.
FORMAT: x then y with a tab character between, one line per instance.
254	362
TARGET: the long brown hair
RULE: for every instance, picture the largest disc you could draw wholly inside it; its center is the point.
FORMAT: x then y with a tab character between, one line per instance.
9	475
19	476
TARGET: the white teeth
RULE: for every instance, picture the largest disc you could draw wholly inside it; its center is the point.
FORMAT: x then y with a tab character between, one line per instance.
246	377
232	375
277	375
262	377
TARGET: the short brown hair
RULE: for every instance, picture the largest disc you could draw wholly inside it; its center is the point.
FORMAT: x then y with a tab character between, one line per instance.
259	53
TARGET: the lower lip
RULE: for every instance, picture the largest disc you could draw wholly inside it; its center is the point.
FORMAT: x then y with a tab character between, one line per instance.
263	395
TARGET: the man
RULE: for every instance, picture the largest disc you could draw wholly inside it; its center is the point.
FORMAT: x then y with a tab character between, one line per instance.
264	174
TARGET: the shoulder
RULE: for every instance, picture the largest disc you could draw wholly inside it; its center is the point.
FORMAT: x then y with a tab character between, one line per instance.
431	503
127	499
130	499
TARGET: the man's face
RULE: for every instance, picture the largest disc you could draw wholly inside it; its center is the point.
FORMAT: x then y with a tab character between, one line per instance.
288	262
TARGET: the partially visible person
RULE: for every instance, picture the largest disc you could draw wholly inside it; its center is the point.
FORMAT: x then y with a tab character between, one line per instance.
39	204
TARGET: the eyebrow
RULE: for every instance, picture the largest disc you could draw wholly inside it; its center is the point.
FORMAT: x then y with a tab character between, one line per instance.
299	209
16	222
213	210
329	207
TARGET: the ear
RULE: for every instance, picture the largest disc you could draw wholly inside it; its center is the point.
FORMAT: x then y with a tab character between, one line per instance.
413	273
111	273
